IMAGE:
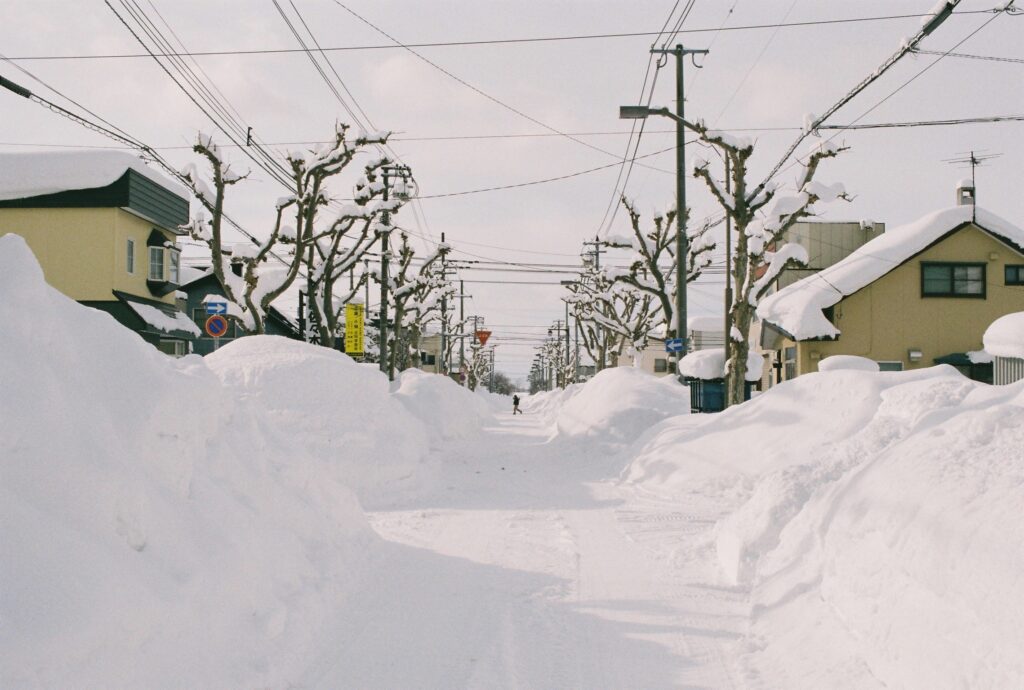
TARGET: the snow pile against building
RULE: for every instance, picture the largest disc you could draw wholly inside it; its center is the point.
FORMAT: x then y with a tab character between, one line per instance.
874	519
160	524
619	404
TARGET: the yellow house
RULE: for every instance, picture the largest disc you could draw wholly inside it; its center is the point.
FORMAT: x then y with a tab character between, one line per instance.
915	296
104	227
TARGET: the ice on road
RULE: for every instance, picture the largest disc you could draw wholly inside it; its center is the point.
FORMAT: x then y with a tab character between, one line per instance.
529	566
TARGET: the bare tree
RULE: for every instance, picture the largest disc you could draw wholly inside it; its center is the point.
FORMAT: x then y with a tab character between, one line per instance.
652	269
761	219
271	265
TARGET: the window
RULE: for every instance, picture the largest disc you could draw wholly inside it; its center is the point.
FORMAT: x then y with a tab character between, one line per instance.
660	365
952	280
890	366
1014	275
174	348
789	362
156	263
174	266
130	258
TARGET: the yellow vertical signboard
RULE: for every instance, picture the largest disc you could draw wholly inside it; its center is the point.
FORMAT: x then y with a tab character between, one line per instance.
354	322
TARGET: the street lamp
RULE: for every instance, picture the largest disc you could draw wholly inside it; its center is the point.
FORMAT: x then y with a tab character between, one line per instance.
641	112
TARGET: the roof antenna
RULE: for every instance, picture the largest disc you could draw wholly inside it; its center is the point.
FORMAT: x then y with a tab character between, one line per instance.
965	195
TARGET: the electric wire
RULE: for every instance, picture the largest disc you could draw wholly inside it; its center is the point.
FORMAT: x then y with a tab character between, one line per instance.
485	42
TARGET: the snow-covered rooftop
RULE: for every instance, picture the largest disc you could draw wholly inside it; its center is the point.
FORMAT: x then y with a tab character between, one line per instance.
798	308
26	175
709	365
1005	337
170	323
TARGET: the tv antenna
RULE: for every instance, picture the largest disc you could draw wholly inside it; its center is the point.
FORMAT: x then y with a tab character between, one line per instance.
972	159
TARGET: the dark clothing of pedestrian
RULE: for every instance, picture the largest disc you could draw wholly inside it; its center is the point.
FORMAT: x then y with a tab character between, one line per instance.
515	405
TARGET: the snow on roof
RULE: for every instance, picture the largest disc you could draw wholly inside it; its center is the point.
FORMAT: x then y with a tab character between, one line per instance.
26	175
164	322
709	365
797	308
705	323
1005	337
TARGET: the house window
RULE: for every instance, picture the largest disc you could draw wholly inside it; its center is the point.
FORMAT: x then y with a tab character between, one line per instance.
174	265
1014	275
660	365
156	263
789	362
952	280
174	348
890	366
130	257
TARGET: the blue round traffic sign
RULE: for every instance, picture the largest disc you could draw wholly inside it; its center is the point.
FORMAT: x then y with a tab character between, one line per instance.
216	326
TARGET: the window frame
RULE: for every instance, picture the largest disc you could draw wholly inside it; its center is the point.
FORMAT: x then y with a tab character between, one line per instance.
130	256
952	265
1018	269
661	365
173	265
162	263
892	362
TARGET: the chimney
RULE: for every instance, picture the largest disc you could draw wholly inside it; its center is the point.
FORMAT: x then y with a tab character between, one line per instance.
965	193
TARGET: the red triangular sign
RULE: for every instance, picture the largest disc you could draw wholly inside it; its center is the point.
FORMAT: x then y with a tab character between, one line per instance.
482	336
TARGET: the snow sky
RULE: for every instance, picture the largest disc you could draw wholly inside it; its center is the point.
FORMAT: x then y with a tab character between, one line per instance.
759	78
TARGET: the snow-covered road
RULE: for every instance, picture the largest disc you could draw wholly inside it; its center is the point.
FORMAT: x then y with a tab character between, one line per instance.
529	566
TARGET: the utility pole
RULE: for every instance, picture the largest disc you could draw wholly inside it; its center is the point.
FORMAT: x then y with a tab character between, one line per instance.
403	172
681	240
462	334
602	346
441	368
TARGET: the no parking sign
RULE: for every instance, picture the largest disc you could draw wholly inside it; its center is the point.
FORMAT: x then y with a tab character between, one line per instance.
216	326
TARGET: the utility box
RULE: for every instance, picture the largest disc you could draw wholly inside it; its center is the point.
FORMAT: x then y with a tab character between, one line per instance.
708	395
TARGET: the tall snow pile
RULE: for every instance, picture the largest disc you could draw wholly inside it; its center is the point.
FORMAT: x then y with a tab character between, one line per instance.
329	405
159	525
447	409
875	520
619	404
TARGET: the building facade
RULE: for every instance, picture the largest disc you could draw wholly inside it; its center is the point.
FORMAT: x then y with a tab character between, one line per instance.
112	245
917	296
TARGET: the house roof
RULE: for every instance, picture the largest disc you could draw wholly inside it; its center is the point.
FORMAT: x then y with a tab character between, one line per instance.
159	317
28	175
798	309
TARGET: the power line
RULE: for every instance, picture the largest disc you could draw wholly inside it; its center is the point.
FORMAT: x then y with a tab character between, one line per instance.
991	58
493	41
542	181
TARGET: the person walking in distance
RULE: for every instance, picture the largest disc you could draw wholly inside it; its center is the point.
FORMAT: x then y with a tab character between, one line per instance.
515	405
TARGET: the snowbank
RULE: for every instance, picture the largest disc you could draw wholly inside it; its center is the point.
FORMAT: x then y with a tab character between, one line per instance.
874	517
619	404
847	363
447	409
1005	337
333	407
155	531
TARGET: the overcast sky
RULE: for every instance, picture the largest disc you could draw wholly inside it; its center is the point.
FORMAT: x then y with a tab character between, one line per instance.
753	78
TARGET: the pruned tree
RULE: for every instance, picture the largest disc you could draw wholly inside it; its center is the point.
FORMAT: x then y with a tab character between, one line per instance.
337	249
270	266
415	293
478	365
761	218
652	268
